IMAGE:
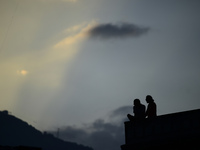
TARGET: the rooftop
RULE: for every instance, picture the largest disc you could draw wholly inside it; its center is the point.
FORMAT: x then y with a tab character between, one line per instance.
172	130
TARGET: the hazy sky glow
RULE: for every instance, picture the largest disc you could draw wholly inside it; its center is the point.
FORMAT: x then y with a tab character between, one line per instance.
71	64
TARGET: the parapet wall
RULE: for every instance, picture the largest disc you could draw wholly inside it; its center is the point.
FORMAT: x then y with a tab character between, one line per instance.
163	128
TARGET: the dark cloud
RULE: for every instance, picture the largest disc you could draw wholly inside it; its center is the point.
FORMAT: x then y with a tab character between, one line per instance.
73	134
122	30
100	135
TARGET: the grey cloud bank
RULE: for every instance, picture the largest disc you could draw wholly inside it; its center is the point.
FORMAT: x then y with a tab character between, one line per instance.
100	135
122	30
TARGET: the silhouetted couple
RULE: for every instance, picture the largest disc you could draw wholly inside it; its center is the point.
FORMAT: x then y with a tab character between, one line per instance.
140	111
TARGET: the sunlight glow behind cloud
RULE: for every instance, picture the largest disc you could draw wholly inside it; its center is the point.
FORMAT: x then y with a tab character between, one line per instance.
45	69
22	72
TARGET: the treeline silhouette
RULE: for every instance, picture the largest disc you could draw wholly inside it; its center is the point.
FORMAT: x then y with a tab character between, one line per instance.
15	132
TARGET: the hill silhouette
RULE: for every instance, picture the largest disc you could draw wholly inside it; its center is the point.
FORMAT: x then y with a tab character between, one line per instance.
15	132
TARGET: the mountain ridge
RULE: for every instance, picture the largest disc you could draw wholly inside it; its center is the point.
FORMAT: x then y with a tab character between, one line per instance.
15	132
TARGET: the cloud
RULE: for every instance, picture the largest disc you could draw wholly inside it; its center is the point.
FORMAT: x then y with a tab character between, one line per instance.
100	134
104	135
77	33
107	31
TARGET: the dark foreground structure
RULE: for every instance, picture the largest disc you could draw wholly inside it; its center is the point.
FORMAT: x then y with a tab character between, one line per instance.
19	148
175	131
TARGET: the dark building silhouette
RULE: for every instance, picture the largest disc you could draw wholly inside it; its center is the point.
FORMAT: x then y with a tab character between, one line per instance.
175	131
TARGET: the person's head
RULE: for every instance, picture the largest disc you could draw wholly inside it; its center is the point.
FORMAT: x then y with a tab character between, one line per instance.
136	102
149	99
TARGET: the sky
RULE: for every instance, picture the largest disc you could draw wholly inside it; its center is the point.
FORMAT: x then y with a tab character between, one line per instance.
77	65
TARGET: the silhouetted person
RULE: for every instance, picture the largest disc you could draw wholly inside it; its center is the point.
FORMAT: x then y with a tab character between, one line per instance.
151	108
138	110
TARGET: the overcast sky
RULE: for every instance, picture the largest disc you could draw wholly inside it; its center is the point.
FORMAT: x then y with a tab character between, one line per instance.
77	65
